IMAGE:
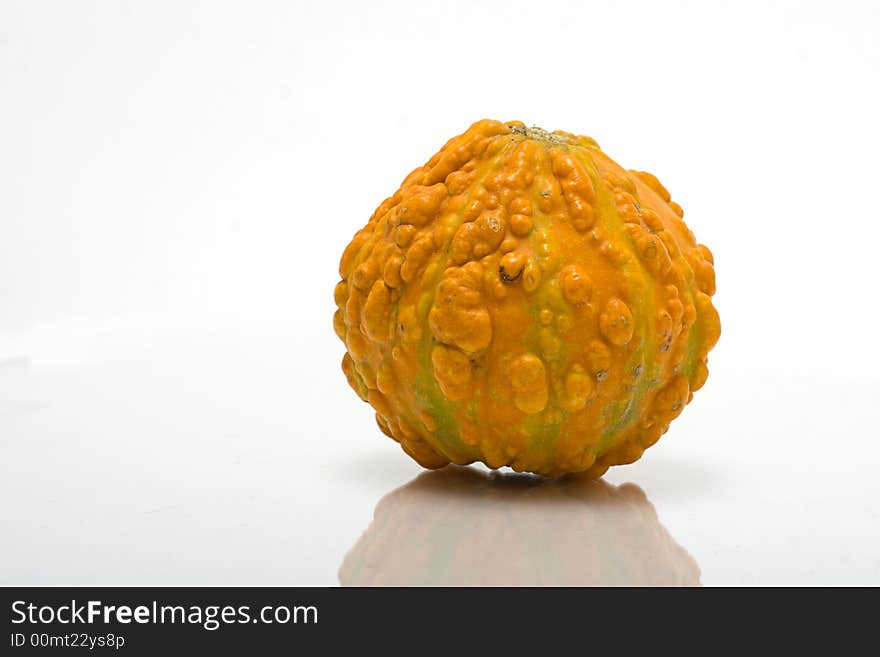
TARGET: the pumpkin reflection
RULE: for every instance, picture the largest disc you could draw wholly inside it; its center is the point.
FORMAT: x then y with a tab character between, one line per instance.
461	526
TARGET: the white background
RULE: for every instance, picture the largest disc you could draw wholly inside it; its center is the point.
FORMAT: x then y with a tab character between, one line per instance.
179	179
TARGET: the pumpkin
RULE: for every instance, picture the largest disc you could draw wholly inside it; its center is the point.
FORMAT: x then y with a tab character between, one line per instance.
524	301
459	526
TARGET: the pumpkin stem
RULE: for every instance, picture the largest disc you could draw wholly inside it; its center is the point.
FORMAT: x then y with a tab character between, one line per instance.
538	133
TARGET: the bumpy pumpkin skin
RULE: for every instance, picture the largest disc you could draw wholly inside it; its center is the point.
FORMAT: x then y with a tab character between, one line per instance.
523	300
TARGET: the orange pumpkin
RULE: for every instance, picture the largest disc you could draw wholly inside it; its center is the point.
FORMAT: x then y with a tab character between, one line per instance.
524	301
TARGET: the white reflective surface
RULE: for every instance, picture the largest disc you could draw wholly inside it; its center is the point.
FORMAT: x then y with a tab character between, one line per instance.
146	453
